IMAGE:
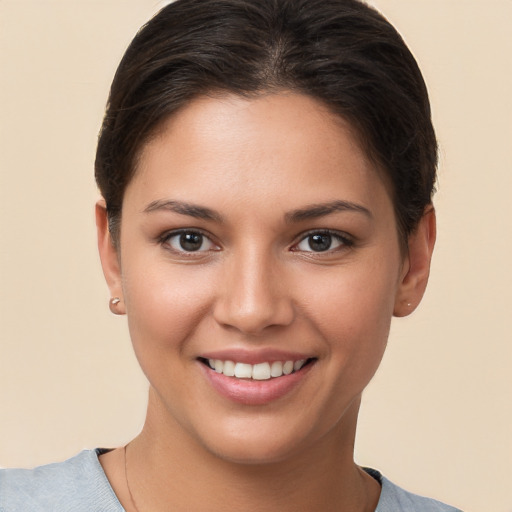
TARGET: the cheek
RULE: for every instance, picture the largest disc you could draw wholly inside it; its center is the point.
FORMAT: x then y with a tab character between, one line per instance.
351	309
164	303
359	298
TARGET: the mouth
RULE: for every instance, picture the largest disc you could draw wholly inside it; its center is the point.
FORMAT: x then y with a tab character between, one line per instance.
256	377
258	372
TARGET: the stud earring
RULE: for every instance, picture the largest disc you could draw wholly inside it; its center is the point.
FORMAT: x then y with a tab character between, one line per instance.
113	304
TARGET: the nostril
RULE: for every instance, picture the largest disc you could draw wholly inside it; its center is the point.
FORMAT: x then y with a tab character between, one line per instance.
252	317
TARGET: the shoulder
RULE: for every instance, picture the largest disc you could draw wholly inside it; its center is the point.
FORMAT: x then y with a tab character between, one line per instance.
395	499
76	484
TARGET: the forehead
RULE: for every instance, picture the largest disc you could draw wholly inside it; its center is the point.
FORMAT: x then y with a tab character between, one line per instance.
275	147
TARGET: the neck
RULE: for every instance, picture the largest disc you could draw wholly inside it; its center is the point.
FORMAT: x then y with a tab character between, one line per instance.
166	466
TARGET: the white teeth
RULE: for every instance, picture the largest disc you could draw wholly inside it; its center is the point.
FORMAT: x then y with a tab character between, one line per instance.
229	369
288	367
298	364
243	371
260	371
276	370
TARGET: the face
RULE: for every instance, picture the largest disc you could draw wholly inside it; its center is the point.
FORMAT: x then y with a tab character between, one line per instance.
259	266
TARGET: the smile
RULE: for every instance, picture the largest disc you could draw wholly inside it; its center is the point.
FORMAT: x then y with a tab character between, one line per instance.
260	371
256	382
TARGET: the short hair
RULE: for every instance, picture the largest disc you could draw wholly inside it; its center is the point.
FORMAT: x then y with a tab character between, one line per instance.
342	52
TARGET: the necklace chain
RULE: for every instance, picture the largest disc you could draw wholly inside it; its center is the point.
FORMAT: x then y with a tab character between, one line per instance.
126	478
130	491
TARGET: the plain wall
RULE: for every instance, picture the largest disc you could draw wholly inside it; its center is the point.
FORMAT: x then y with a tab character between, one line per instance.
437	419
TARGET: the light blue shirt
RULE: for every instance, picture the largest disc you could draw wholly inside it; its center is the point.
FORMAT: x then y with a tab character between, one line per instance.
80	485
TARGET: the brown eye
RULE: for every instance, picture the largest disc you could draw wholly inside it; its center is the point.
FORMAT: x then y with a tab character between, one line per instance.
189	241
319	242
323	241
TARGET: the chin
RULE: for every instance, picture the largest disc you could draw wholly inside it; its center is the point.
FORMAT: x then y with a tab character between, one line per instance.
254	454
257	443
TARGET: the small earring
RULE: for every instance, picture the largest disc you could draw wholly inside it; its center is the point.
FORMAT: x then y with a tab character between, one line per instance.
113	304
409	304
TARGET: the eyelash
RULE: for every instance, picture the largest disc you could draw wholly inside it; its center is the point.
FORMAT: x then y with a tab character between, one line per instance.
166	238
344	240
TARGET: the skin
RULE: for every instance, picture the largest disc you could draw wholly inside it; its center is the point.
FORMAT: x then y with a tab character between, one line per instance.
255	284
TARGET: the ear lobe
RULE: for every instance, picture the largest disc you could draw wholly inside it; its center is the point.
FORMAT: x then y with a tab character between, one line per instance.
109	259
414	279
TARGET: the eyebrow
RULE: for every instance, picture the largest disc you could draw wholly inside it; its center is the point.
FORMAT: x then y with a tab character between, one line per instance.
320	210
309	212
192	210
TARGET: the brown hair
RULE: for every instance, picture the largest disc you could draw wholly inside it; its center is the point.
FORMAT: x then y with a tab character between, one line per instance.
342	52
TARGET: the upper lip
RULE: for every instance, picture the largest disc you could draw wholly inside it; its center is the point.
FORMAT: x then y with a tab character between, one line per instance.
254	356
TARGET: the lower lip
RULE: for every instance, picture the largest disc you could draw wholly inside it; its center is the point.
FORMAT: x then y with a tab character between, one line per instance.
255	392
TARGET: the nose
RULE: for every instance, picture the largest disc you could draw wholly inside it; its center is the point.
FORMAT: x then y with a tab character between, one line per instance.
254	295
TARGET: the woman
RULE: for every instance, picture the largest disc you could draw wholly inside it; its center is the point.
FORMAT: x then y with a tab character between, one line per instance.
267	170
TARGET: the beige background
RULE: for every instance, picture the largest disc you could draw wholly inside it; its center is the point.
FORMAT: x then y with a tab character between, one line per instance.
438	416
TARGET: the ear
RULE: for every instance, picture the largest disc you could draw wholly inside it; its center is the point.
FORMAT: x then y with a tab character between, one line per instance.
414	278
109	259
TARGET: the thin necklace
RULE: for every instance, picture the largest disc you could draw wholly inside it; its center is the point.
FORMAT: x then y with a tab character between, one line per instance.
126	478
130	491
